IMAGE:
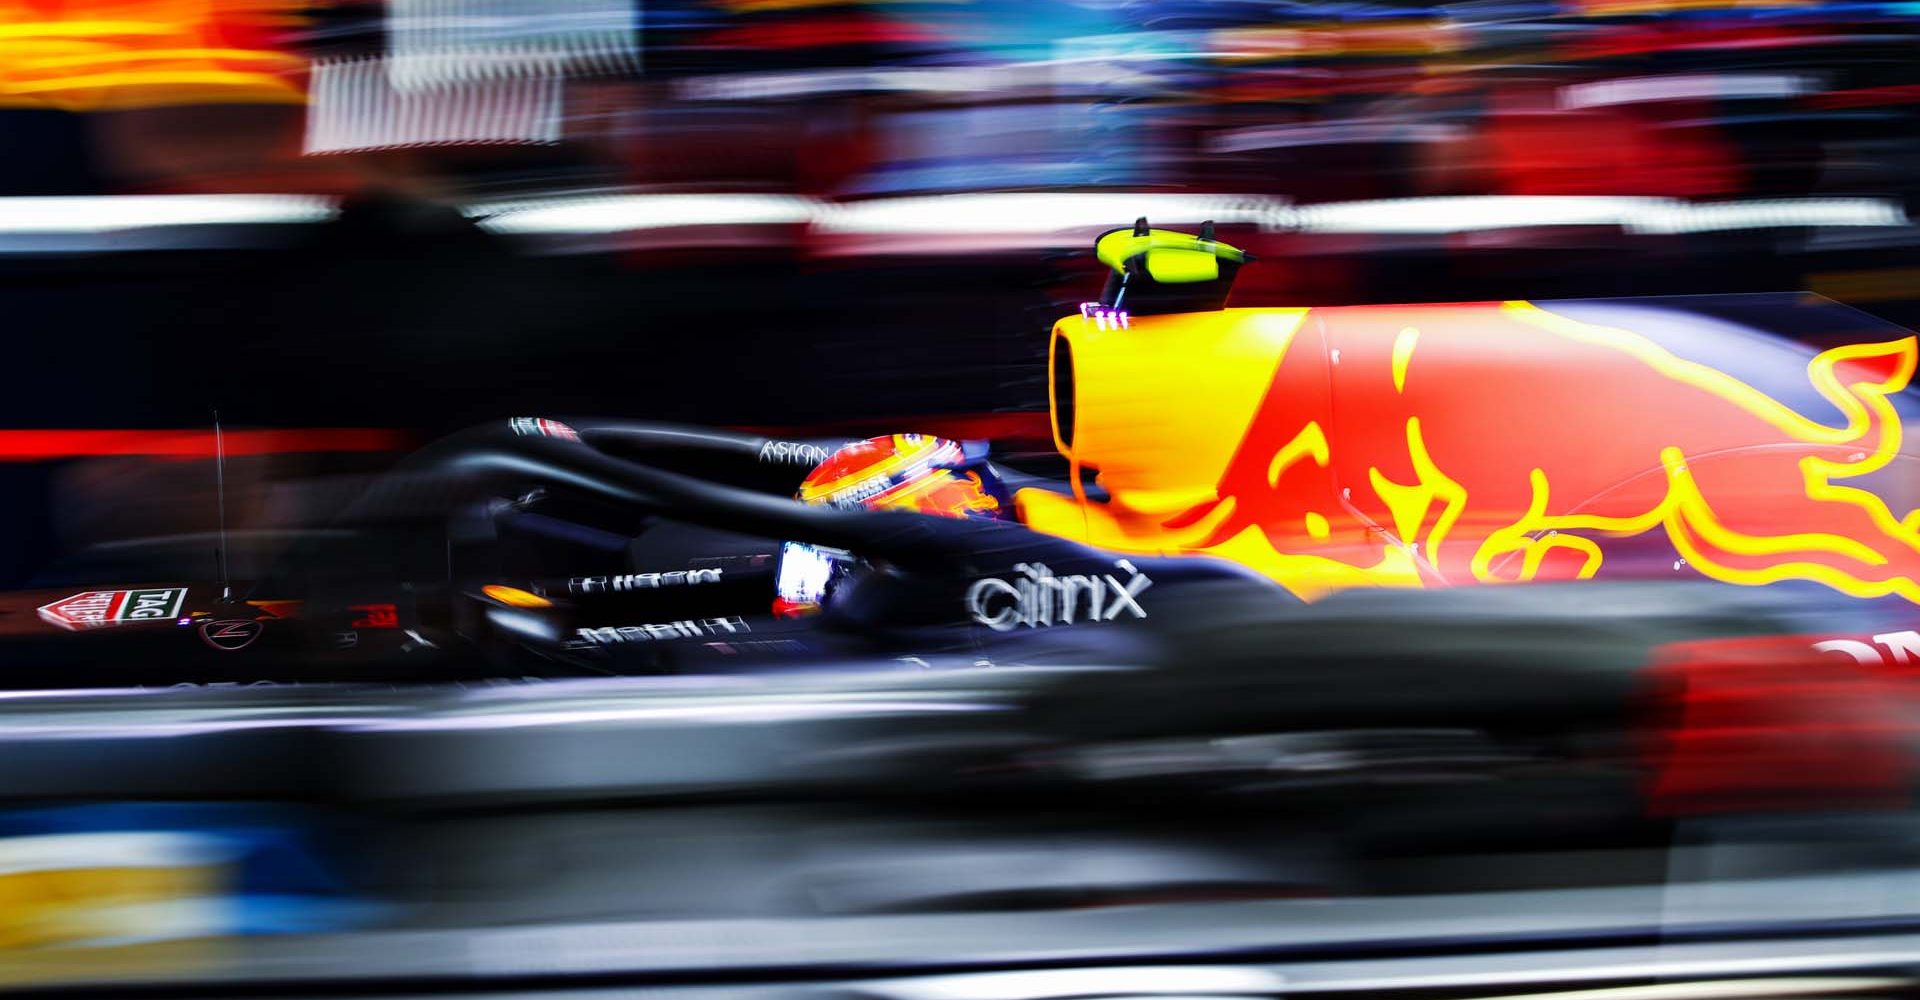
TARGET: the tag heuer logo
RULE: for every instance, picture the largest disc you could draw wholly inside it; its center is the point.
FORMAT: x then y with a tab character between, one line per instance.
102	608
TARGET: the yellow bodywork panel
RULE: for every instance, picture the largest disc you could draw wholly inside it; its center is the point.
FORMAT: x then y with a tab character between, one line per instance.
1182	267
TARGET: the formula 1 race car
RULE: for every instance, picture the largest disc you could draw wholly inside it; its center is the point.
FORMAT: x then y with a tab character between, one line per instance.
548	548
1237	460
537	550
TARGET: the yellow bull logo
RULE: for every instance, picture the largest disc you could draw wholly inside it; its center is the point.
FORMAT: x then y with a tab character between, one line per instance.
1472	443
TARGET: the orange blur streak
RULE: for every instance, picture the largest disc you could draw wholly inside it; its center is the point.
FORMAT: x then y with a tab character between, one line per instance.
148	78
143	55
72	29
514	597
156	53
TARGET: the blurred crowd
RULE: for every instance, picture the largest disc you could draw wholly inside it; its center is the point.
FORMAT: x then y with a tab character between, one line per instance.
1335	133
423	213
1312	102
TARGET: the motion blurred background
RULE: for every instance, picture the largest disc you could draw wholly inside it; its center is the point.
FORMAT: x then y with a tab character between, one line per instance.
410	215
352	226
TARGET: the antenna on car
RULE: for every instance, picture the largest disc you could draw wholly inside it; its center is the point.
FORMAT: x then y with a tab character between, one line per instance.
1140	226
220	494
1206	231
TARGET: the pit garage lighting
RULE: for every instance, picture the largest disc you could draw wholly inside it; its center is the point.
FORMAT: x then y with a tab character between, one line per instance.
1047	214
1637	215
113	213
1725	989
1020	212
1682	217
1218	981
1685	87
1039	214
615	213
696	712
1466	214
1042	212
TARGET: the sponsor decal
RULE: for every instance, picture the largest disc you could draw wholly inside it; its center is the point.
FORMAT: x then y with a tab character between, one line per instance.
793	453
859	493
106	608
230	633
1038	599
1887	647
376	616
641	581
689	628
542	427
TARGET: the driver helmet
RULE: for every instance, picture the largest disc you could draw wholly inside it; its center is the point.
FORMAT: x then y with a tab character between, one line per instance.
913	472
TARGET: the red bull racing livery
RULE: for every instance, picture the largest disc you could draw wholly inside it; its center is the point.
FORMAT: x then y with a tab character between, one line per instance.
1245	459
1693	517
1439	445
